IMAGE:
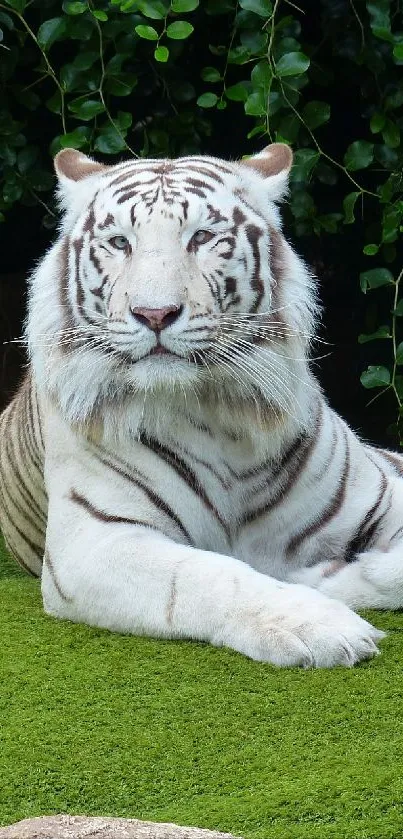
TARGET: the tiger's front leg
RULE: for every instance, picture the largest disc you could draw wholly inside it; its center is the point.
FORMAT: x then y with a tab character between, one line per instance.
105	571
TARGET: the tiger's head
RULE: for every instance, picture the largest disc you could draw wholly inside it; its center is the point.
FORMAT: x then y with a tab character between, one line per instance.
172	275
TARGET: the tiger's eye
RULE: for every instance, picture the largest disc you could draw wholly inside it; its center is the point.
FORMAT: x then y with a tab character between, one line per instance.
201	237
119	242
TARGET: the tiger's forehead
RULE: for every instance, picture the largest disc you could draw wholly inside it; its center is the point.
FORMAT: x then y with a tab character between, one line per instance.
152	183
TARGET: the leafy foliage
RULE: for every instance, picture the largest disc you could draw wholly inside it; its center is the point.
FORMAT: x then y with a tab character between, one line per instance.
150	77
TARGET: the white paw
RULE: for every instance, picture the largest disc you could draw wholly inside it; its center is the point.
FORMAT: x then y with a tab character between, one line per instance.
294	626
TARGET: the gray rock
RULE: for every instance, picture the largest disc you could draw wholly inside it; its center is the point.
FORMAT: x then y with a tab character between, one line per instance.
94	827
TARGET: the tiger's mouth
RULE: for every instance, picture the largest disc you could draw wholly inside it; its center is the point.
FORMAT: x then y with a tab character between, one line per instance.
160	350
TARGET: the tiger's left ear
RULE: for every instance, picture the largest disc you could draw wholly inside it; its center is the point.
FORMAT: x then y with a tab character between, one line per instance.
71	167
273	164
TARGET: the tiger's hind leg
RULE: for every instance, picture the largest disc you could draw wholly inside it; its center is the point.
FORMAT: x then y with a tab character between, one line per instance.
374	577
373	580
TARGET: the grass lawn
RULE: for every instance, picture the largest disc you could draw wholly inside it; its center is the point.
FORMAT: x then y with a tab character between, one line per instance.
113	725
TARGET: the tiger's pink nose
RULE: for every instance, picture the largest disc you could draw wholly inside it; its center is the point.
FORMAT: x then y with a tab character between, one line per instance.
157	319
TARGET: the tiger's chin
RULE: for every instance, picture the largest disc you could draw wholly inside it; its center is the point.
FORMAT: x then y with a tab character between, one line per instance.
162	369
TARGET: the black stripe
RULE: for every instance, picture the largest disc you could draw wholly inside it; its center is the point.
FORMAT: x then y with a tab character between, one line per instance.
366	531
101	515
185	472
49	564
122	469
329	512
394	459
294	460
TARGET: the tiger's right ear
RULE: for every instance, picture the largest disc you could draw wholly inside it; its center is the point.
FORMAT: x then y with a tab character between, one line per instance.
72	166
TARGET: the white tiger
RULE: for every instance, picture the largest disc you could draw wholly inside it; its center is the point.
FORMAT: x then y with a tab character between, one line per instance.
170	455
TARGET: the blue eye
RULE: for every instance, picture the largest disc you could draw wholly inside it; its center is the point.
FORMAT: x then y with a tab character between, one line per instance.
119	242
201	237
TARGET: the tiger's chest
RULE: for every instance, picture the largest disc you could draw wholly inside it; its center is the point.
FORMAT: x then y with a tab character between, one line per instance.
226	494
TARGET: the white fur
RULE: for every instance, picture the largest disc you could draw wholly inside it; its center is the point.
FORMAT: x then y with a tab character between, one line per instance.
239	584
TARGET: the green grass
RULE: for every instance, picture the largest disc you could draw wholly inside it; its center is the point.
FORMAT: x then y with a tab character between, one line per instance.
113	725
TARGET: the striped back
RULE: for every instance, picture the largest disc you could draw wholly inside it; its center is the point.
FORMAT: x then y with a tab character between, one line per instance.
23	500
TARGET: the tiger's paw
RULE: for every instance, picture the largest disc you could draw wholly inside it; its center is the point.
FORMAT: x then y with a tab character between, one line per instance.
302	628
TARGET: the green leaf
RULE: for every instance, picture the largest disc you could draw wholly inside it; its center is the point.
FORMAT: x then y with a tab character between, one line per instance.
254	41
326	174
28	98
99	15
85	60
146	32
391	134
288	128
302	205
263	8
182	91
86	109
156	10
375	377
261	74
207	100
7	20
121	85
370	250
380	19
381	332
123	120
375	278
74	139
399	353
184	5
80	27
359	155
388	157
8	155
398	52
256	104
12	191
399	309
50	31
161	54
257	131
292	64
394	100
179	30
304	162
391	224
74	8
18	5
348	207
40	179
315	114
210	74
26	158
219	7
376	123
329	222
110	141
237	92
238	55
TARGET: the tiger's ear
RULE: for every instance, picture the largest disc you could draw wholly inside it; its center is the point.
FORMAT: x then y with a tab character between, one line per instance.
273	164
71	167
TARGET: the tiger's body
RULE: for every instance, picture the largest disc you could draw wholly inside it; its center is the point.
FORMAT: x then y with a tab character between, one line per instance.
211	492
